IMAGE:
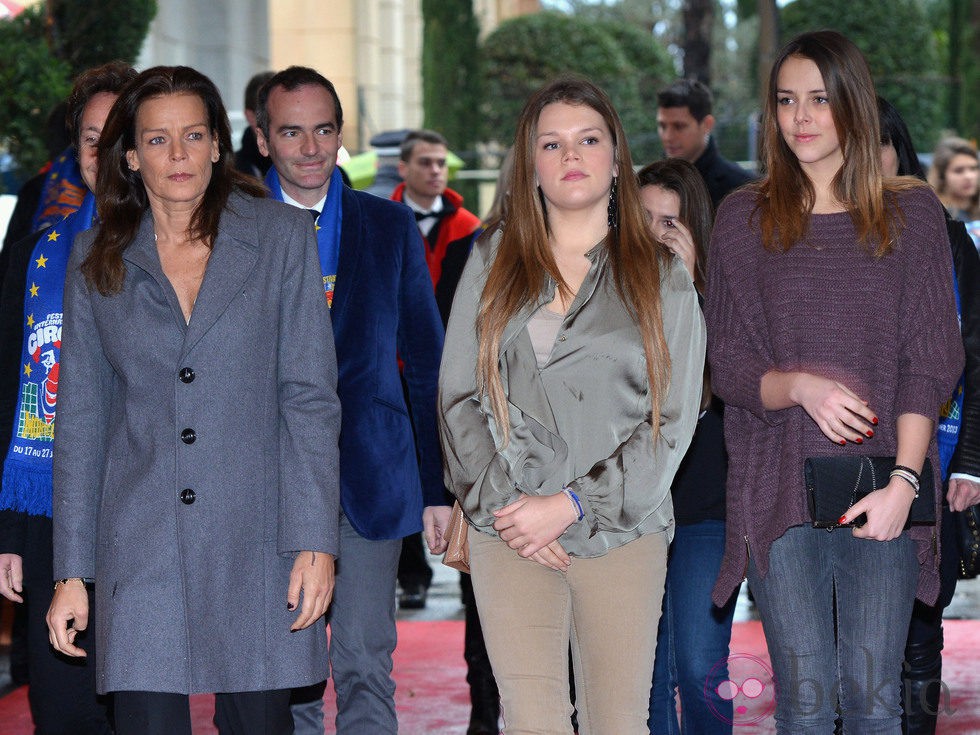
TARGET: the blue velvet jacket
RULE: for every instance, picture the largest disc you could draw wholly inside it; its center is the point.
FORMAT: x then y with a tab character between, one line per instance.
384	309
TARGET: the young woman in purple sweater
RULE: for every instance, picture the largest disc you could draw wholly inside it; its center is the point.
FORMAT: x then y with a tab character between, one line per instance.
832	332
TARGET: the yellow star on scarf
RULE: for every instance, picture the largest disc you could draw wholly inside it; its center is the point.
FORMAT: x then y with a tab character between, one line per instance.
53	236
41	262
30	320
34	289
27	369
316	227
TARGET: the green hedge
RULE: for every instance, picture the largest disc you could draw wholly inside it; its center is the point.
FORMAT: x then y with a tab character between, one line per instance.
525	52
92	32
33	81
451	80
38	61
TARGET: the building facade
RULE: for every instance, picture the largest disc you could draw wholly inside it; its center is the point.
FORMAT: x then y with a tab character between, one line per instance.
370	49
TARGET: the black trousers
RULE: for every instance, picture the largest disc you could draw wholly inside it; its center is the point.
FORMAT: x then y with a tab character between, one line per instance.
922	685
238	713
413	566
62	689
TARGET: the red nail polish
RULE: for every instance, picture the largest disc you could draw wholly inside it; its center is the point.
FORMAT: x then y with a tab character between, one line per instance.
843	442
875	421
859	440
870	433
842	519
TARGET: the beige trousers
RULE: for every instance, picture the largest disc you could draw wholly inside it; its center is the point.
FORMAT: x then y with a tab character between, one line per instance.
607	608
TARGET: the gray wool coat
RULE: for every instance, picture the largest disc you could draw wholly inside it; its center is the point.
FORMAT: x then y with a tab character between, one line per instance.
193	460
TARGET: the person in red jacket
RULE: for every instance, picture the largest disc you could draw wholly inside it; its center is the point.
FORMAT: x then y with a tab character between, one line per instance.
448	230
446	226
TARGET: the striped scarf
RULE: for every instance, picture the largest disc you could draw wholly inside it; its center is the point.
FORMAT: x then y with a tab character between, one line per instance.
27	469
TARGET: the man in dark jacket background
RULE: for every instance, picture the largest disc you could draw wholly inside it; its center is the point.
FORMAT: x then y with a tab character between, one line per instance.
685	122
447	232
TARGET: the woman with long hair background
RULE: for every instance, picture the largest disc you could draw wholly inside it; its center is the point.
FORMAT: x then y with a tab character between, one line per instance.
692	643
955	175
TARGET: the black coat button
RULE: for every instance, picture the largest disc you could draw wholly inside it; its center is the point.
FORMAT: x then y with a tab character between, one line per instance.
187	496
186	375
188	436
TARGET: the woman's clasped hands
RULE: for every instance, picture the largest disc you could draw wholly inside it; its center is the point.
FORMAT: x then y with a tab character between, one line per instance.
531	526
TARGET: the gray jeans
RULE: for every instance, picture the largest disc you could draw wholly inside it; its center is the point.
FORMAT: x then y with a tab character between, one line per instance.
857	669
362	639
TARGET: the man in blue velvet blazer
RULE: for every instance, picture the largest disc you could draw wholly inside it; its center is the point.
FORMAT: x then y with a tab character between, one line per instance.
383	309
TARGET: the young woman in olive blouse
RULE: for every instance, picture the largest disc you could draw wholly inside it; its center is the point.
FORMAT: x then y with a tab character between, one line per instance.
569	391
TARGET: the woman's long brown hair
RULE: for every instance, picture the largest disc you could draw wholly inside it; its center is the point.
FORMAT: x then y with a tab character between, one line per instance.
697	214
787	195
524	259
120	194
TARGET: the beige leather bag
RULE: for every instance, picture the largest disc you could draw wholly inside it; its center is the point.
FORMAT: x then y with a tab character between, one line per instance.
458	552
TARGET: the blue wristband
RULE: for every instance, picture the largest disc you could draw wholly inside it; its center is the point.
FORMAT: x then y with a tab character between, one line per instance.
574	498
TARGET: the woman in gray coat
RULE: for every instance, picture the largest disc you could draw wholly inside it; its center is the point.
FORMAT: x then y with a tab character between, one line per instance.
195	470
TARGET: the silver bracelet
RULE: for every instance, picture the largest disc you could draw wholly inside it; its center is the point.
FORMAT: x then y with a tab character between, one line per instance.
908	477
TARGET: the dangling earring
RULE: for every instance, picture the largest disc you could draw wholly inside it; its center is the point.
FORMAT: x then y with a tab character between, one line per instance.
613	209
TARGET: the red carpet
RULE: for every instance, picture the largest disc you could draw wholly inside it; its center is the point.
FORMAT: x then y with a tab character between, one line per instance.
432	698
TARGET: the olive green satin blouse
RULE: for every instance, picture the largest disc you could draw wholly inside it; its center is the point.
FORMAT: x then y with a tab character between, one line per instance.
583	418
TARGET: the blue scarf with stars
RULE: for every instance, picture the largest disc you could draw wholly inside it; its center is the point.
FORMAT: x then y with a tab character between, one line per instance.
63	192
27	469
951	412
327	226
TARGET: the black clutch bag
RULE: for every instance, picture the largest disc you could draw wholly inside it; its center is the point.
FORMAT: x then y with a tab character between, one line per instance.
834	484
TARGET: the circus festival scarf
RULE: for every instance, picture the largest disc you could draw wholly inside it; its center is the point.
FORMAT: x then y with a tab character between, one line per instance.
63	191
27	469
327	226
951	412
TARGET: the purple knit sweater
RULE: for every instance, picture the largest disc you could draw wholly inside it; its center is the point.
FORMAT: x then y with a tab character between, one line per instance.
884	327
